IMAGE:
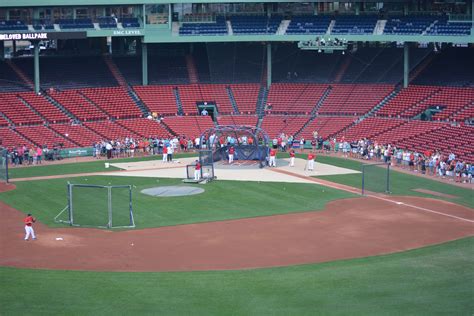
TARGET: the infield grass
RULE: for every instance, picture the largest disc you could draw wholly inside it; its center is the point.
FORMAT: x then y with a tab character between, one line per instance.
436	280
222	200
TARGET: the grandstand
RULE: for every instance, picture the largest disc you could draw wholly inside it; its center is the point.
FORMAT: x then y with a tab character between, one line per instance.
365	73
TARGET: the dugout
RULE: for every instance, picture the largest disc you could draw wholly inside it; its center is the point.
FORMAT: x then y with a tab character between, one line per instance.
249	142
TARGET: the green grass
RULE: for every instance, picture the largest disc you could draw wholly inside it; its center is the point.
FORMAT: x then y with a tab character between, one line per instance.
404	184
221	200
77	167
436	280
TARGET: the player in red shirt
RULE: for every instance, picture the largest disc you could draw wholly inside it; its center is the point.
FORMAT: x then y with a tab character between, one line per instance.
311	158
292	158
231	154
165	153
197	171
29	220
272	160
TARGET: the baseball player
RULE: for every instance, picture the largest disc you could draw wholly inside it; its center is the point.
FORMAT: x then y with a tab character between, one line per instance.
311	158
292	158
231	154
29	220
197	171
272	161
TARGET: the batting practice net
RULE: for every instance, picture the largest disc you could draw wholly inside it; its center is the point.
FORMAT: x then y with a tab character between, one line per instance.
376	178
98	206
3	165
207	166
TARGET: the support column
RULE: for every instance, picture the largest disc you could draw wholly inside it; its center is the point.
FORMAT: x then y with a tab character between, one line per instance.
269	65
144	64
170	16
37	68
406	64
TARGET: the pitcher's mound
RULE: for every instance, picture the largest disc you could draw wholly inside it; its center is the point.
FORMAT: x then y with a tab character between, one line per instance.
172	191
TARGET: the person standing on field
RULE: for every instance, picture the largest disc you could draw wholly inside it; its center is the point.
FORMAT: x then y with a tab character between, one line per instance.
292	158
231	154
272	161
197	171
311	158
29	220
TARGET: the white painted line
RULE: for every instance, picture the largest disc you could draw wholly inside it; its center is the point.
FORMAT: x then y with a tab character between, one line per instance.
423	209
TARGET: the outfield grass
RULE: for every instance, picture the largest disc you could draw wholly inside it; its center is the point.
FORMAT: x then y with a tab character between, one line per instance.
436	280
221	200
400	183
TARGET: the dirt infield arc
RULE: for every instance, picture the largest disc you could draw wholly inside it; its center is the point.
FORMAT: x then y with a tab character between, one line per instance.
348	228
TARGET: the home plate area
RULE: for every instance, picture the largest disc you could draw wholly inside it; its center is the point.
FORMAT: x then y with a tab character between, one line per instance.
241	171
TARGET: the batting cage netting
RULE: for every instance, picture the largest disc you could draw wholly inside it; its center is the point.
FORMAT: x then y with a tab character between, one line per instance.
98	206
3	165
376	178
207	167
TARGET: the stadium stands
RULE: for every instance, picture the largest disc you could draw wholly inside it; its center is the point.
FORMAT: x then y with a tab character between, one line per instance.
69	73
47	110
159	99
77	133
110	130
114	101
145	127
13	25
249	120
78	105
255	24
219	27
352	24
294	98
107	22
16	111
44	136
274	125
326	126
189	126
245	96
354	99
408	25
9	80
10	138
130	22
75	23
444	27
308	24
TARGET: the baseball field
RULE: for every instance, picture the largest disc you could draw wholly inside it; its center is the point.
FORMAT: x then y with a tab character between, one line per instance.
279	241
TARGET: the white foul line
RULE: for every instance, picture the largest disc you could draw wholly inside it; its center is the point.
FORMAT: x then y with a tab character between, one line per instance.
423	209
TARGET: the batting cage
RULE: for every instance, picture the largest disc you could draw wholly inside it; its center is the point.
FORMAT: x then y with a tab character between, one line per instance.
3	165
248	143
206	172
98	206
376	178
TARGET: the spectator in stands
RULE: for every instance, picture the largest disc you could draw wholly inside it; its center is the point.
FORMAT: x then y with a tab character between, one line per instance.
204	112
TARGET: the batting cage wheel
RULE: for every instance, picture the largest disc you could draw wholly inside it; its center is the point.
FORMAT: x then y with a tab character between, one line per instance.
103	206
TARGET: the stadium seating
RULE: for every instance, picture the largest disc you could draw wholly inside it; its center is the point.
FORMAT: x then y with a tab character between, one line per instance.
13	25
255	24
46	25
408	25
353	99
130	22
460	63
326	126
444	27
44	136
274	125
308	24
75	23
159	99
189	126
145	127
9	80
77	133
110	130
114	101
69	73
295	98
107	22
219	27
369	128
354	24
47	110
249	120
15	110
245	96
10	138
79	106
